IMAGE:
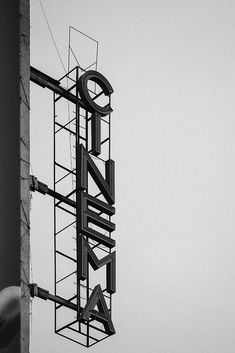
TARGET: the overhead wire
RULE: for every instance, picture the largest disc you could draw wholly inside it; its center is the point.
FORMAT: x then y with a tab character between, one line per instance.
61	61
52	37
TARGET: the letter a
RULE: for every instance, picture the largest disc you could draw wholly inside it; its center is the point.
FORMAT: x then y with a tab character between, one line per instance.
103	316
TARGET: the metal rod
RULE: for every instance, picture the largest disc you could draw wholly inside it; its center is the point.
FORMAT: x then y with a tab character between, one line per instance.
68	257
70	274
63	167
54	182
65	128
65	228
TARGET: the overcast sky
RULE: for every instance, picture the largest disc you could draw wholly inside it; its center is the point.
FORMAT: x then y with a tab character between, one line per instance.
171	64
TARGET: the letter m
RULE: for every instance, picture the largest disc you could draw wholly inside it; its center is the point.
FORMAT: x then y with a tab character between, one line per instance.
86	254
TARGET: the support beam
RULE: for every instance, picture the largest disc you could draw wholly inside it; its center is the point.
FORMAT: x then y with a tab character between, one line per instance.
36	185
46	81
45	295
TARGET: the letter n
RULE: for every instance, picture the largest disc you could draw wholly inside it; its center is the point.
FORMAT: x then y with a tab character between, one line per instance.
86	165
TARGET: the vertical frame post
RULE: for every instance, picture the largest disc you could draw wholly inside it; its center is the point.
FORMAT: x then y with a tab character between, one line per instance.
24	67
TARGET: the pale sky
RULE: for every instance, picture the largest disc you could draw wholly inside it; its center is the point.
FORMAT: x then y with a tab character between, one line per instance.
171	64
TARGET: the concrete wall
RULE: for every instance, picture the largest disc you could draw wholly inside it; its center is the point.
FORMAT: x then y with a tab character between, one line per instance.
11	65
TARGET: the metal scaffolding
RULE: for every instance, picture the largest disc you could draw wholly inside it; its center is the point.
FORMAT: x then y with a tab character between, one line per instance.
68	135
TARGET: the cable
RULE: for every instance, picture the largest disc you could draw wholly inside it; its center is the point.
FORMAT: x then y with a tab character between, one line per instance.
53	39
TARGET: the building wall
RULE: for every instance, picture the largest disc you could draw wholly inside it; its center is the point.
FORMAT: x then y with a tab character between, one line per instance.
10	147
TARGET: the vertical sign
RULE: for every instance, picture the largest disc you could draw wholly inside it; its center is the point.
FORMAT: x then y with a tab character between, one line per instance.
92	211
84	195
89	204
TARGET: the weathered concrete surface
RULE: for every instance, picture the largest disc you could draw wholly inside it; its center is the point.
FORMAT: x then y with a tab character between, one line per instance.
14	120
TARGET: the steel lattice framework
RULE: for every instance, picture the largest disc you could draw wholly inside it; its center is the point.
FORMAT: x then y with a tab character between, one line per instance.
83	195
78	131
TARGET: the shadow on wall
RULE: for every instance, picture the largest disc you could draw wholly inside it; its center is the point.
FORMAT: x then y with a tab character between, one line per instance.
9	314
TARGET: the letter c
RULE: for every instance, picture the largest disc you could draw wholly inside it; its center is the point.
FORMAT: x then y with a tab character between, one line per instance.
84	93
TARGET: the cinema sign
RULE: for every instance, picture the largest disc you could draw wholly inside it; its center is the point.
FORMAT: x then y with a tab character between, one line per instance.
93	211
106	186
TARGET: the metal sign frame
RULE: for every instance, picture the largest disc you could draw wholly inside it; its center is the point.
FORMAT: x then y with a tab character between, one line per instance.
83	311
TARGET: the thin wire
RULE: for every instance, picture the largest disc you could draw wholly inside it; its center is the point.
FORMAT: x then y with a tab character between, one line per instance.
70	50
53	39
69	119
75	29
